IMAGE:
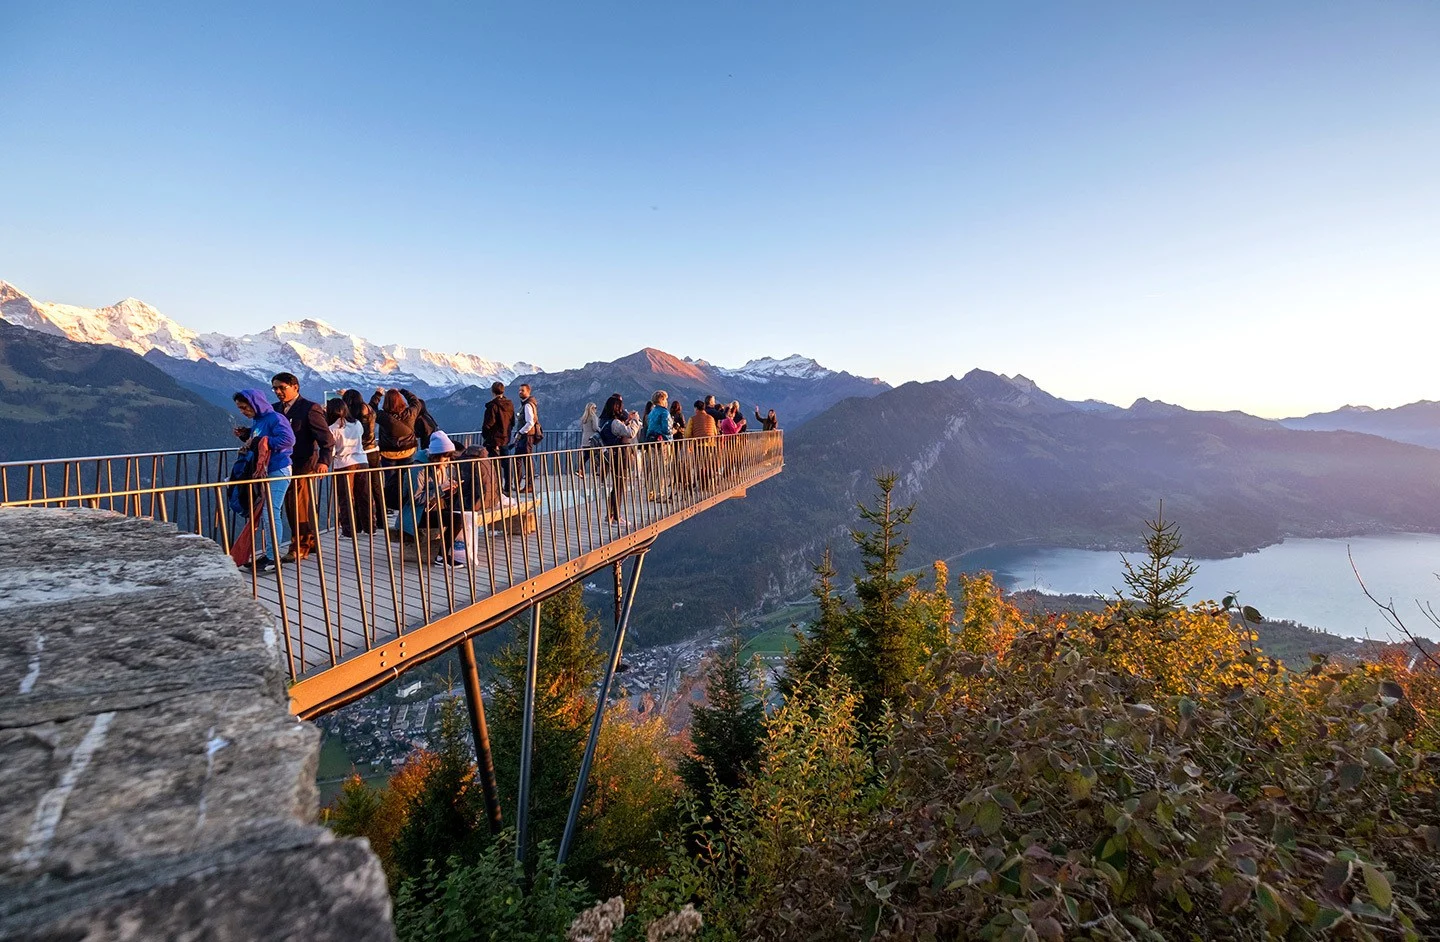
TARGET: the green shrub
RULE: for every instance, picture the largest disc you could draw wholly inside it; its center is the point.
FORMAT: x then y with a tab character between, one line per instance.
489	898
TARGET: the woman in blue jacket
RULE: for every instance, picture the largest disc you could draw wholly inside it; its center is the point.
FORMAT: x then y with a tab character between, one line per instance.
273	429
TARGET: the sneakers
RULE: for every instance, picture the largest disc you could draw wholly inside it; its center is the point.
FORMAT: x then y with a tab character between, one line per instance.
447	560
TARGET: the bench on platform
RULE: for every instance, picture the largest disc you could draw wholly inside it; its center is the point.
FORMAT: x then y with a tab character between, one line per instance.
430	541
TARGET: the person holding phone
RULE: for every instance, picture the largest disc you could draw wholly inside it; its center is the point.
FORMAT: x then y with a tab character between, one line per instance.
272	440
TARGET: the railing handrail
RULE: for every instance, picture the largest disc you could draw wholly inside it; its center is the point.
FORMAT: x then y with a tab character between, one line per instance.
145	491
22	462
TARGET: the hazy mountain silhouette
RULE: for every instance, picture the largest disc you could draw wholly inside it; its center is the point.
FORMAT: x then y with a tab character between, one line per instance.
1417	423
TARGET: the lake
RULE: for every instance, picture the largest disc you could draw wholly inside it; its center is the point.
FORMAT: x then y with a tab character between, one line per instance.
1304	580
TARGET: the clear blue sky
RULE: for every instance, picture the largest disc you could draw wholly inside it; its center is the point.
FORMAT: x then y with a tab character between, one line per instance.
1230	205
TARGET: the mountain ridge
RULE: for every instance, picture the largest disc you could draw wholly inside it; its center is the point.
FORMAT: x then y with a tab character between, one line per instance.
325	357
1002	468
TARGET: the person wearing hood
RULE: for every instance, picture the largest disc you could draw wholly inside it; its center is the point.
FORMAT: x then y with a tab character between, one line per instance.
269	436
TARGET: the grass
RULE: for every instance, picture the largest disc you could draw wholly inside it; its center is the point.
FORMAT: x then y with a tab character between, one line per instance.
770	642
336	765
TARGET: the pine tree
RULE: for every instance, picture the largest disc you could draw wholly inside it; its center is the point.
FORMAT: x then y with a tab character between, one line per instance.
568	666
1157	584
886	646
820	651
447	817
725	732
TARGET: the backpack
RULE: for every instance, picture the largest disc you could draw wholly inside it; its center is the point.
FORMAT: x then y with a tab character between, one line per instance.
536	433
608	436
240	495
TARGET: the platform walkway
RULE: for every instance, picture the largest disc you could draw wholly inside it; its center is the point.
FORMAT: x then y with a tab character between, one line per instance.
362	608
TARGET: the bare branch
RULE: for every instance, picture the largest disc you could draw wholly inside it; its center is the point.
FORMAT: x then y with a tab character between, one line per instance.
1393	617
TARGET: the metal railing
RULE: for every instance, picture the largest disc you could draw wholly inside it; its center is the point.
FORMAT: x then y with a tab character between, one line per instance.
391	565
49	478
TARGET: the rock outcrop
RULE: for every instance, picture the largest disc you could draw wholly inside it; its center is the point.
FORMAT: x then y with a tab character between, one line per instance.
153	784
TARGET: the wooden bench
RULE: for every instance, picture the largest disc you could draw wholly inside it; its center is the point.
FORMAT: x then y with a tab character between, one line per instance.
429	542
525	511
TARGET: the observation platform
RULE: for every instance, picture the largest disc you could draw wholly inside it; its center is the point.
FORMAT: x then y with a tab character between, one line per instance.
365	606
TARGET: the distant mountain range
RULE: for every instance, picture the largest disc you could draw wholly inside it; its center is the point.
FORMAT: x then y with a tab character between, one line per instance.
316	352
456	385
989	459
795	387
1417	423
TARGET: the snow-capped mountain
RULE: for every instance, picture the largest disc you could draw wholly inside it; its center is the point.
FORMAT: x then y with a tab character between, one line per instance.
794	366
311	348
130	324
336	356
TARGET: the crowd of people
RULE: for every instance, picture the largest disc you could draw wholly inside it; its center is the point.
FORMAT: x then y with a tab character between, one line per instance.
292	438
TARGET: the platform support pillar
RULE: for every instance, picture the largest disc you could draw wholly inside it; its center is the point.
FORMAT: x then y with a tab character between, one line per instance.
602	698
527	735
484	762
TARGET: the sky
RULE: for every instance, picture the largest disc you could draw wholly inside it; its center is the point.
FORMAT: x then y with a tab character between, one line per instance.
1223	205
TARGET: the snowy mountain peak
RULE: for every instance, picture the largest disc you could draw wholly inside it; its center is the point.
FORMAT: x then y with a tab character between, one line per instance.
307	346
131	324
794	366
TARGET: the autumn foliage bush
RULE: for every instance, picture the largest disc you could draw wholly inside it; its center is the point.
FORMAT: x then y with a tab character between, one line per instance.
1063	785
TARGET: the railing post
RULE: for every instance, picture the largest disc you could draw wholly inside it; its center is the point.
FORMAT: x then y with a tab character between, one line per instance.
483	761
527	734
578	798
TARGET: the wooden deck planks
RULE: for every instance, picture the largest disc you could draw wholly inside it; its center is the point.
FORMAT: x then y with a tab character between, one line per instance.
343	599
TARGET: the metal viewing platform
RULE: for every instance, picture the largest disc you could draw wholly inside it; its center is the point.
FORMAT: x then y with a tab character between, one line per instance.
368	602
411	561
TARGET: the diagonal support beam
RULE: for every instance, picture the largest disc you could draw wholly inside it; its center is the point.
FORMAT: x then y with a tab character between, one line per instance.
527	735
483	760
602	698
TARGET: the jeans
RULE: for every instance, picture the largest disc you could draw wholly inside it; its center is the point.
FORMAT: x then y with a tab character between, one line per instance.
278	485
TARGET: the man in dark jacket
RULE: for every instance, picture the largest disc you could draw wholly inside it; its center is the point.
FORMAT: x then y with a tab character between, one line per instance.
495	429
313	448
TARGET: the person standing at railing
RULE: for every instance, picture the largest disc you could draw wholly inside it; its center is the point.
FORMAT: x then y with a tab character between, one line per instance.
313	450
677	419
589	435
702	426
496	428
369	440
615	431
737	414
768	423
657	429
716	411
527	436
270	437
351	480
395	425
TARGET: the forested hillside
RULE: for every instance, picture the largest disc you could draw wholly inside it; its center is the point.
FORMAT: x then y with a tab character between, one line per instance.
63	398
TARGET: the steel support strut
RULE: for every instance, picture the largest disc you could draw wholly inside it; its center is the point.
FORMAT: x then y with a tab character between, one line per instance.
483	761
619	569
527	735
578	798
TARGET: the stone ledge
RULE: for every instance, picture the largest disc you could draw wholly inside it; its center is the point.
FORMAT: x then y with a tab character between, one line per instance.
154	784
